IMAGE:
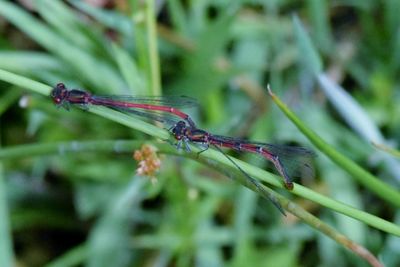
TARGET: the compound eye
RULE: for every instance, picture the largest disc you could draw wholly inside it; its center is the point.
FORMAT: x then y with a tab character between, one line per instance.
57	100
60	86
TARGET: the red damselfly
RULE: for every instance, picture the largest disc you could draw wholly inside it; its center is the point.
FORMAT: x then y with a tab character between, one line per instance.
154	108
288	160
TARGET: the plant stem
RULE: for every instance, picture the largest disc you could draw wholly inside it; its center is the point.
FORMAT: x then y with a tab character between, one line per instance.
153	48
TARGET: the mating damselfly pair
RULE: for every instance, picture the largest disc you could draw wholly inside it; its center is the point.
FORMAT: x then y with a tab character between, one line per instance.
287	160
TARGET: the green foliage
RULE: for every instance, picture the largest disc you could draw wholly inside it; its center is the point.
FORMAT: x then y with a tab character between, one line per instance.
69	193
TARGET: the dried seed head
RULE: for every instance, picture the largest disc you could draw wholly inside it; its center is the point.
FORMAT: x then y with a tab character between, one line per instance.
149	163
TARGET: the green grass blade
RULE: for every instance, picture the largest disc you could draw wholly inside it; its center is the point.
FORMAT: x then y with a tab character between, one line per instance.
308	54
73	257
154	71
358	119
362	176
8	99
178	16
40	149
6	244
109	18
28	62
90	68
65	22
318	11
24	82
115	223
129	70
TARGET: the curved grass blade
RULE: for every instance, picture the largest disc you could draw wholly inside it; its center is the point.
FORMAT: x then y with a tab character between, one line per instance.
362	176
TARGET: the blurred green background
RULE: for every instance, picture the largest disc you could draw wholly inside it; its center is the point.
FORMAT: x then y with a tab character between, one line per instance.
334	63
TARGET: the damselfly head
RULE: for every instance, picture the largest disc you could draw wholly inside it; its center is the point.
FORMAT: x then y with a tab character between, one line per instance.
179	129
58	94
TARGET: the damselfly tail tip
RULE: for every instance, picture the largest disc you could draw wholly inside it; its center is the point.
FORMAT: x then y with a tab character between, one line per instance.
289	186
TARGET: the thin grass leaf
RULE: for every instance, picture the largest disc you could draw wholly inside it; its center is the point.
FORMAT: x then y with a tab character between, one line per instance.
154	68
28	62
391	16
362	176
24	82
7	99
73	257
108	18
308	54
208	252
65	22
83	33
109	242
201	73
129	70
318	11
38	65
178	16
356	118
63	148
6	242
350	110
94	70
245	207
391	247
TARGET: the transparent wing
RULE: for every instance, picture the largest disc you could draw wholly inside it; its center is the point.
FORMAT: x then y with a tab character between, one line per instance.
151	115
170	101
